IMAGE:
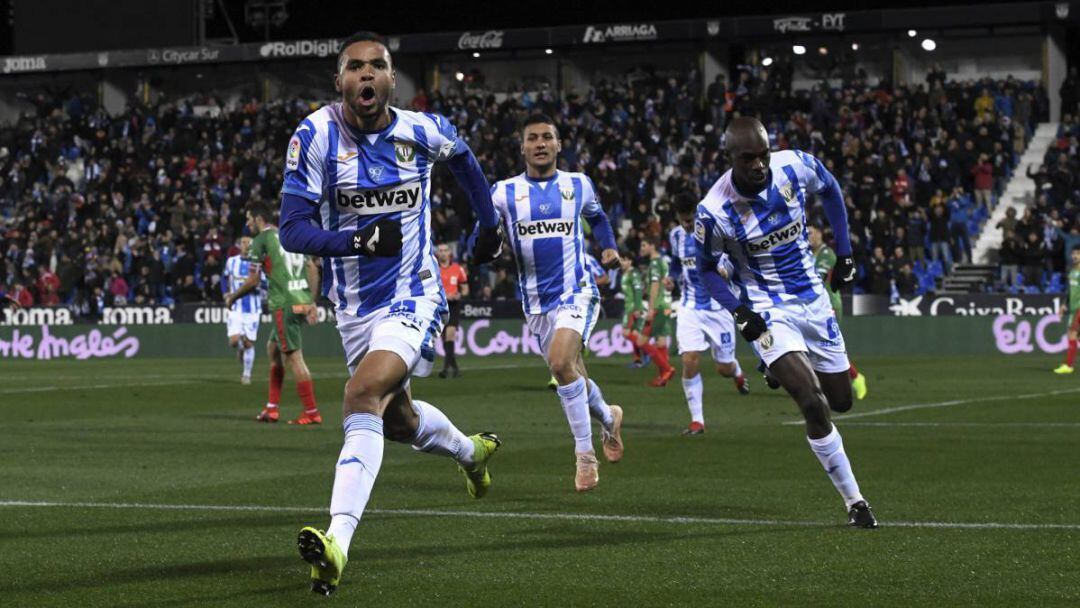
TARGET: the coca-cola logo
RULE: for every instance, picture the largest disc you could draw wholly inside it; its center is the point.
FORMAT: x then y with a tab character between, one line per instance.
491	39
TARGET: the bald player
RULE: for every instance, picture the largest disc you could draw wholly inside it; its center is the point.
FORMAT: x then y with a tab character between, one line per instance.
756	214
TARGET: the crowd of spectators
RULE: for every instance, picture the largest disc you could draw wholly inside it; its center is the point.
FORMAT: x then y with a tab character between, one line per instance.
144	207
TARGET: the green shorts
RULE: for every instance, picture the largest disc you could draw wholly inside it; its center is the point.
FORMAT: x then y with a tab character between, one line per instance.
661	325
634	322
287	326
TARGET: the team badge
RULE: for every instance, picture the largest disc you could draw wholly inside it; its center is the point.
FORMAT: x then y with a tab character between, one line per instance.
292	157
765	341
404	151
375	173
568	195
788	192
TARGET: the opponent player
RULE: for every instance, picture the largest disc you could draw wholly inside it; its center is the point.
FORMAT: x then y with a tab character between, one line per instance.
541	211
702	323
242	319
1074	313
755	213
658	315
632	286
456	285
294	282
824	261
356	192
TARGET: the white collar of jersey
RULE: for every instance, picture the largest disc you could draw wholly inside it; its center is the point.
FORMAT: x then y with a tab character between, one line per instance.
359	134
541	180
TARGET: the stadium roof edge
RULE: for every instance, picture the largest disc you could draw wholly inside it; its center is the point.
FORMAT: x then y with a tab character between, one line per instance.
580	36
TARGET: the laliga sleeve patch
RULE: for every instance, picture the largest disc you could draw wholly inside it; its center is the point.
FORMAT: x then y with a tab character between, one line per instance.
699	231
292	156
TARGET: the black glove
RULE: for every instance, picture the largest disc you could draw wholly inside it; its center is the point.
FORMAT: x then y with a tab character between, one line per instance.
485	244
751	325
381	239
843	273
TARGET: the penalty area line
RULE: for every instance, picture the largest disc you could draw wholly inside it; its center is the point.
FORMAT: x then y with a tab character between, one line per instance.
940	404
587	517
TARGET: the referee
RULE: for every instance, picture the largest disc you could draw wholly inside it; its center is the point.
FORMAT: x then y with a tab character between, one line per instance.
456	285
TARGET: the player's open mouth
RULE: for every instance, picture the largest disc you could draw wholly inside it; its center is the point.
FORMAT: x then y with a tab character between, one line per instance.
367	95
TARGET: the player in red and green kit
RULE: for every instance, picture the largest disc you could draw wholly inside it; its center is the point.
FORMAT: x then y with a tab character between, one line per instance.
824	260
633	288
293	283
658	318
1074	313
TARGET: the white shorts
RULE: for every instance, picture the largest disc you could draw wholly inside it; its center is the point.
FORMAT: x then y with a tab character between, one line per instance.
242	324
578	312
698	330
407	328
808	327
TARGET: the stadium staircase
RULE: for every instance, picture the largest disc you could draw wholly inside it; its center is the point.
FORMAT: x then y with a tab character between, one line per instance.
1019	193
968	278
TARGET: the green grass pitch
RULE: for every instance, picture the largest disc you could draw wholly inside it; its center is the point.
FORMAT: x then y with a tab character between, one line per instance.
148	483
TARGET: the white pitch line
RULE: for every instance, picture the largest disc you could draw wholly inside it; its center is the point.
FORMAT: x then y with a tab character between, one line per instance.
967	424
924	406
197	378
721	521
80	387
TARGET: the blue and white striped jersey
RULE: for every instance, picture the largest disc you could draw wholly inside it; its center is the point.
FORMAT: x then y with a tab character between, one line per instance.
542	221
359	178
684	250
235	274
765	236
594	267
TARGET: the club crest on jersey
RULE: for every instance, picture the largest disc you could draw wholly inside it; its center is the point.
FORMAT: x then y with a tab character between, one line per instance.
404	151
568	195
788	192
292	157
375	173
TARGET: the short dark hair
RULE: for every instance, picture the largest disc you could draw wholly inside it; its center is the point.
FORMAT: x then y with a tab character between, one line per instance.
261	209
539	118
361	36
653	240
685	203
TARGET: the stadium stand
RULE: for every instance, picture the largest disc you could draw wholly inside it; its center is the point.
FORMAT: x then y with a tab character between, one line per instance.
143	207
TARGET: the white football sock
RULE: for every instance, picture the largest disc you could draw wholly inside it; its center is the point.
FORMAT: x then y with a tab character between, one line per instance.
830	451
738	368
435	434
598	408
249	360
576	406
357	467
692	388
